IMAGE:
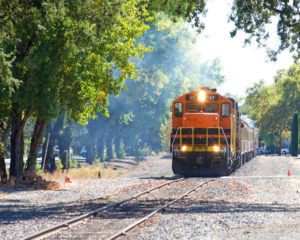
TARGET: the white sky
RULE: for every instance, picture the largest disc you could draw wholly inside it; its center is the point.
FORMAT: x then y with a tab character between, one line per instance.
242	66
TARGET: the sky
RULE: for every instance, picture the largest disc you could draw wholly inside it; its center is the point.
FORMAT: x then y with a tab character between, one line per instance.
242	66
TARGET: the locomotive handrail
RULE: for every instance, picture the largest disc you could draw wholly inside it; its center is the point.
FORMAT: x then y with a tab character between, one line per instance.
180	144
174	140
219	142
224	136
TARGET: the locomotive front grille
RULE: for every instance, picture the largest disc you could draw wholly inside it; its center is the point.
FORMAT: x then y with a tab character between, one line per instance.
196	139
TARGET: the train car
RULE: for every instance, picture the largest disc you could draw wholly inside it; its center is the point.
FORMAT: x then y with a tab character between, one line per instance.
208	136
249	140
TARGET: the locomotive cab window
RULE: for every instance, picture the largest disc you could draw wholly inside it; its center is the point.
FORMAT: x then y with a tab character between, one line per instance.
190	97
211	107
193	107
225	109
213	97
178	109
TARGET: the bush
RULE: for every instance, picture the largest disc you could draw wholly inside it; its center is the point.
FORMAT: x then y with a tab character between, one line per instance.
38	167
59	164
73	163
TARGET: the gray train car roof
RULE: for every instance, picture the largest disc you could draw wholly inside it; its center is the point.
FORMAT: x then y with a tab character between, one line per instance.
248	121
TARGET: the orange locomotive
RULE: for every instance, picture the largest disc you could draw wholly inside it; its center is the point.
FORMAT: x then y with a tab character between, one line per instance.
206	138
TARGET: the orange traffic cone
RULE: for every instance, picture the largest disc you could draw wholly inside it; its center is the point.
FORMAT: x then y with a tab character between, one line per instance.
289	172
67	180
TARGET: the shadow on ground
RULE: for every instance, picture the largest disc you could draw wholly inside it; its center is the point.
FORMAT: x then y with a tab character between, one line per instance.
10	212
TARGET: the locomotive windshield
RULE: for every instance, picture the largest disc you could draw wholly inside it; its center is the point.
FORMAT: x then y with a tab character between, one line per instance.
193	107
198	107
211	107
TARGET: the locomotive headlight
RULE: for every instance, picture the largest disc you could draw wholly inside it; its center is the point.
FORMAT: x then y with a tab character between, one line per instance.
201	96
216	148
183	148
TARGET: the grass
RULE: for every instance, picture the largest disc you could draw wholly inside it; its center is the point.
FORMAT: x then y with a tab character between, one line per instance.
95	171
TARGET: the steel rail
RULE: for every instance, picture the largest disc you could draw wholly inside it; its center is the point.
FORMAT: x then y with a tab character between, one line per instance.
67	223
123	231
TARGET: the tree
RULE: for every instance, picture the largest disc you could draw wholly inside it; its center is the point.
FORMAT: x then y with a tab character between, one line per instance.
4	125
255	17
54	127
140	116
65	138
265	110
68	57
271	107
181	9
294	137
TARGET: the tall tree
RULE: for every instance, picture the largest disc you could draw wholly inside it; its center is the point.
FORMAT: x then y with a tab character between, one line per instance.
272	107
64	140
138	114
294	137
68	56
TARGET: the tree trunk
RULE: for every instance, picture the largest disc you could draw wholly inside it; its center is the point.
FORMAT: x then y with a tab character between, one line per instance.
109	144
117	147
36	142
91	153
50	158
280	144
101	143
294	136
64	143
100	147
4	124
17	141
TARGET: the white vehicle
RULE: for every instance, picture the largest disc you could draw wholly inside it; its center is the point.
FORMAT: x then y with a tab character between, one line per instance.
83	151
285	151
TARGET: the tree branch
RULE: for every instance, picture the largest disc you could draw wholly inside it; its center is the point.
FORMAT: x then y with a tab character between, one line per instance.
27	115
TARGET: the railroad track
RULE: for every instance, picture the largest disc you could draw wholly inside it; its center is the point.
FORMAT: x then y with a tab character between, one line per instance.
49	231
131	226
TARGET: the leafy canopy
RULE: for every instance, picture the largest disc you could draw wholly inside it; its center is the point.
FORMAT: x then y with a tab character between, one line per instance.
70	55
272	107
254	17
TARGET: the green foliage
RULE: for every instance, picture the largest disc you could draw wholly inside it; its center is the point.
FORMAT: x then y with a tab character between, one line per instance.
73	163
7	82
69	56
59	164
38	167
65	57
140	116
181	9
272	107
294	137
255	18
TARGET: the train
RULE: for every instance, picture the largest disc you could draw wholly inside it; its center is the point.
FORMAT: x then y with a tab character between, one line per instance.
209	135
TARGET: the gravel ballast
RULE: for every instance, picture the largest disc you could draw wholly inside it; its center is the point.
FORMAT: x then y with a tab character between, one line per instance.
258	201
